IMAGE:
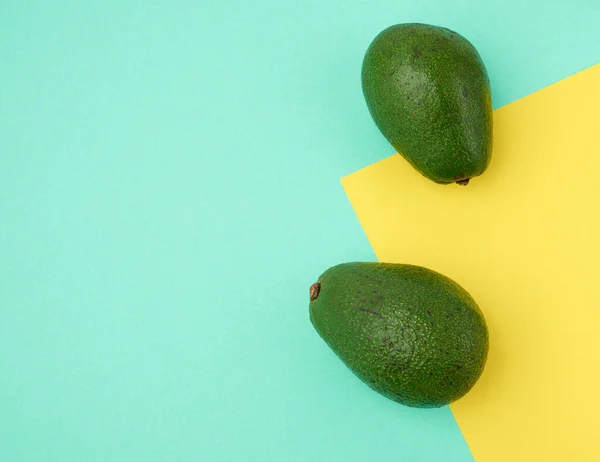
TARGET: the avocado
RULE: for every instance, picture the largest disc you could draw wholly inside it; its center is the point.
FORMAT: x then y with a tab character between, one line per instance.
408	332
428	92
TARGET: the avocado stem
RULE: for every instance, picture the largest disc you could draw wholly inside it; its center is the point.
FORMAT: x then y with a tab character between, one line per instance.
464	182
314	291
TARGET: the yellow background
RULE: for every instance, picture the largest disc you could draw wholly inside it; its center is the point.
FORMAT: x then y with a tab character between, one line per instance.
523	239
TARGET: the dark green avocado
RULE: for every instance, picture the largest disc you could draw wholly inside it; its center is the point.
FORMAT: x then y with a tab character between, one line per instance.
428	91
410	333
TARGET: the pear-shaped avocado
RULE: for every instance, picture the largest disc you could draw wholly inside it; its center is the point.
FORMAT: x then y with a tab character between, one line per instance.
410	333
427	90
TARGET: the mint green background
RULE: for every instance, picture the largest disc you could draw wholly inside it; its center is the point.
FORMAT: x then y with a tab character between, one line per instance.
169	188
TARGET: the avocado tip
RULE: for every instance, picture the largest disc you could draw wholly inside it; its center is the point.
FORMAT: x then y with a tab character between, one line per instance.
464	182
314	291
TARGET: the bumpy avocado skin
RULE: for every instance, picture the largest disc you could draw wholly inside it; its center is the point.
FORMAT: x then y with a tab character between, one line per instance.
428	91
409	333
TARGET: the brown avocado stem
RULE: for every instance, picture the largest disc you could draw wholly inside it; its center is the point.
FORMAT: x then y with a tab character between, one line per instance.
464	182
314	291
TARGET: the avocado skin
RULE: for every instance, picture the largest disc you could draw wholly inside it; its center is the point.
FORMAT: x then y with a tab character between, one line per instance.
429	94
409	333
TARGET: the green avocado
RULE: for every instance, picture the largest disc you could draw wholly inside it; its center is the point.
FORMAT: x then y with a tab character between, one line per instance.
409	333
429	94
